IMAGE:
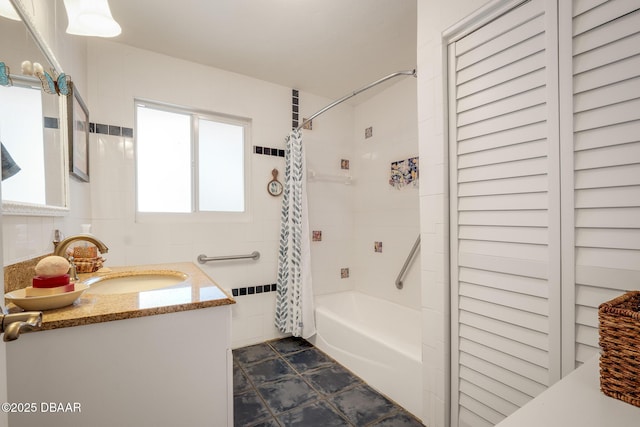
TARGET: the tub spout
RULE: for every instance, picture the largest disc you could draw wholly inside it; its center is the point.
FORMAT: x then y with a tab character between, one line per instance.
14	324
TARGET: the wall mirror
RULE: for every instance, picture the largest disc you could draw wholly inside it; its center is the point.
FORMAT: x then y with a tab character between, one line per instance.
32	126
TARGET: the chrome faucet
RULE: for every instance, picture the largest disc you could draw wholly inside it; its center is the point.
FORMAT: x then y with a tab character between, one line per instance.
61	247
13	324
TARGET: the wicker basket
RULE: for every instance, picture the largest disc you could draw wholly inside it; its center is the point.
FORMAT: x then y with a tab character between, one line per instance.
619	321
85	252
86	259
88	265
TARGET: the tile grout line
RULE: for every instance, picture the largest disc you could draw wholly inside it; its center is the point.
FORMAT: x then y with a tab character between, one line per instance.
255	390
398	408
321	396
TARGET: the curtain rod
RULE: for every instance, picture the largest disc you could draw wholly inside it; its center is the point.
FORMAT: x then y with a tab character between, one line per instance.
352	94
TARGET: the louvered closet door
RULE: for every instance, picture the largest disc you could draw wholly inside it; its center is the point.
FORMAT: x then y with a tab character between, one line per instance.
606	126
504	194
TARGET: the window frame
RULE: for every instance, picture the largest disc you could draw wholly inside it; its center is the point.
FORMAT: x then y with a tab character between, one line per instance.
195	116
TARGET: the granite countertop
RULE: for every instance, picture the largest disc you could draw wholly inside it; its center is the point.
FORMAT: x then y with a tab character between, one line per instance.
198	291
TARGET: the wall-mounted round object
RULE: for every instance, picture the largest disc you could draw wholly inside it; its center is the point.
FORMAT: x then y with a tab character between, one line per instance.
274	187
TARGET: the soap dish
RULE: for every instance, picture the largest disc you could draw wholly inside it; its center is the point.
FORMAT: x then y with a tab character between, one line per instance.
48	302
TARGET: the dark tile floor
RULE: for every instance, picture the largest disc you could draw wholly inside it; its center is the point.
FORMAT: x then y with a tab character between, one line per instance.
289	382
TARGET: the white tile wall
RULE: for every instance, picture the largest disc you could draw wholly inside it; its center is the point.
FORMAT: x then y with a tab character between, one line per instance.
381	212
433	19
27	237
330	203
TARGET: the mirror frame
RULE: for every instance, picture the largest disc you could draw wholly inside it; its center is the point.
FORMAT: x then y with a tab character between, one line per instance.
21	208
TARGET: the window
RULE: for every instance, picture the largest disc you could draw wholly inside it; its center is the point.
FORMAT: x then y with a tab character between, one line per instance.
189	162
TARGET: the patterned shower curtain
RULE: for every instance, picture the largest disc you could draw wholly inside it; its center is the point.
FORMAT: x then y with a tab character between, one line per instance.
294	299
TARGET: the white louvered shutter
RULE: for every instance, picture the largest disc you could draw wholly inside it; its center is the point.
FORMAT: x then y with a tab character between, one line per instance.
505	201
606	159
540	228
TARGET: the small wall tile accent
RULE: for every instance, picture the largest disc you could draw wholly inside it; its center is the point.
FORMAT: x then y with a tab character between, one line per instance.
251	290
51	123
405	172
344	273
368	132
100	128
316	236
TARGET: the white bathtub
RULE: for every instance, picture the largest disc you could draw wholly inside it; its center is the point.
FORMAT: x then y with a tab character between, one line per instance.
380	341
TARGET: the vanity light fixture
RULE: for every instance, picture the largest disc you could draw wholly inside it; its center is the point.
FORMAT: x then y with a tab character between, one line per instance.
91	18
7	10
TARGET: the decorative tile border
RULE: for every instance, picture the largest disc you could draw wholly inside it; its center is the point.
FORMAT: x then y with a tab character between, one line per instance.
252	290
268	151
295	108
128	133
110	130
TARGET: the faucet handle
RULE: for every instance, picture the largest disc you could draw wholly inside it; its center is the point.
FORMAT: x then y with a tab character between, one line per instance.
57	237
73	271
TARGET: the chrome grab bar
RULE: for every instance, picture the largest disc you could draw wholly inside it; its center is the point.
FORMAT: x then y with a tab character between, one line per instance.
403	270
203	258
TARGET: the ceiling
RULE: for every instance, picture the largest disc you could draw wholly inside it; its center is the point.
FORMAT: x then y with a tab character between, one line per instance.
325	47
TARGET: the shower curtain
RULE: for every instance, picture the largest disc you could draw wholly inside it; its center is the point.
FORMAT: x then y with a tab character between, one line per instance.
294	297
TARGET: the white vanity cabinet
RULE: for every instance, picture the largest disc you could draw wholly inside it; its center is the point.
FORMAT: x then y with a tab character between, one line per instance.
162	370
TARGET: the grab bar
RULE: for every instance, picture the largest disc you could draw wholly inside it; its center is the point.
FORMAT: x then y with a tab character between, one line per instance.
403	270
203	258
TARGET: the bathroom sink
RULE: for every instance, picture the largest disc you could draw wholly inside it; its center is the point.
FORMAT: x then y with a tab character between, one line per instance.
123	282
